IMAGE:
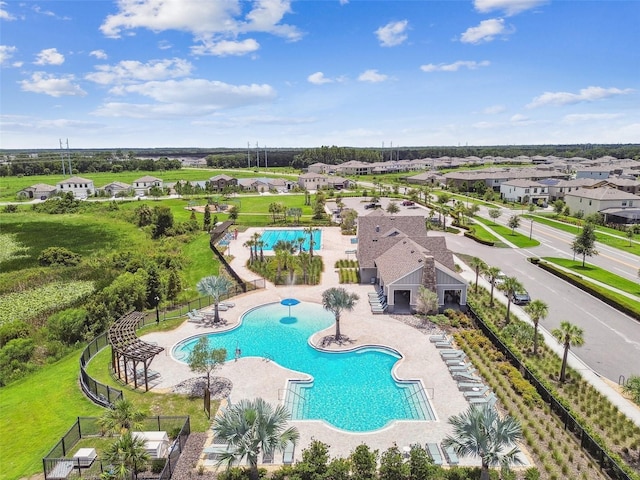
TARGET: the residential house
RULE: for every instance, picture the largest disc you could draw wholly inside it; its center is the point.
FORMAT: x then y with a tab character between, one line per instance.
320	167
558	188
80	187
354	167
221	182
594	200
426	178
143	184
40	191
525	191
313	181
597	173
117	188
624	184
396	253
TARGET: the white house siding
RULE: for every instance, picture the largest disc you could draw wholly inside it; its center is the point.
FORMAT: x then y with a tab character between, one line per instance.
444	282
409	282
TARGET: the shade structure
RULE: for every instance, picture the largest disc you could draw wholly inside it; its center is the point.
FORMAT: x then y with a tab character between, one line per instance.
289	302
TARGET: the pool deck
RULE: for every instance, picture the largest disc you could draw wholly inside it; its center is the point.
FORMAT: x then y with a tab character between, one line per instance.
254	377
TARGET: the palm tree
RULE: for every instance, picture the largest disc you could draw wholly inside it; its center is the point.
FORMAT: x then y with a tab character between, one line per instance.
479	266
215	286
568	334
310	231
122	417
336	300
249	244
480	432
510	287
256	237
253	426
127	455
537	310
492	274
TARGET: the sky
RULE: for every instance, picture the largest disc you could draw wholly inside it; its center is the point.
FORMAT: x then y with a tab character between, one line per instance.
308	73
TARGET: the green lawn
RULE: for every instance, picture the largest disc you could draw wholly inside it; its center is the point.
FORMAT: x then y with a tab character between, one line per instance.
516	238
485	235
619	243
12	185
35	412
597	273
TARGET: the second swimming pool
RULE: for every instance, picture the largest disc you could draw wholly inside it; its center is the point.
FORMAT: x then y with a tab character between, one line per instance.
272	236
353	391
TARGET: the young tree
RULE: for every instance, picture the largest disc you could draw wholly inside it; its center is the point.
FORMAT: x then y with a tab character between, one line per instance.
427	301
492	275
127	455
537	310
558	206
568	335
335	300
251	427
478	266
629	234
392	208
364	462
162	221
632	388
206	223
216	287
495	213
204	359
585	243
234	212
480	432
392	465
510	287
124	416
514	222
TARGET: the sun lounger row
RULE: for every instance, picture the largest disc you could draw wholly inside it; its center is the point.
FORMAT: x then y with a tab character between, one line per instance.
439	338
434	452
490	400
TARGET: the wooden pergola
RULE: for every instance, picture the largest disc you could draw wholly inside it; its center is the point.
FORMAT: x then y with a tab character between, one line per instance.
128	351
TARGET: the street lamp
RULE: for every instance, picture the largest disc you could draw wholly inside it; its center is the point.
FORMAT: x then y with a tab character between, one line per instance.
157	299
531	230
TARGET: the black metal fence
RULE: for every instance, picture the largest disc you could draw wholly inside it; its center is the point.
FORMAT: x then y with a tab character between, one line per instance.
60	463
587	442
99	393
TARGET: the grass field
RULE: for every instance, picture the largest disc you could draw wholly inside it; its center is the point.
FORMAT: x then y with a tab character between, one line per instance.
516	238
35	412
10	186
597	273
620	243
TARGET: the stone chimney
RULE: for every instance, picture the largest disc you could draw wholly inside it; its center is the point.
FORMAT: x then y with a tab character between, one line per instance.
429	273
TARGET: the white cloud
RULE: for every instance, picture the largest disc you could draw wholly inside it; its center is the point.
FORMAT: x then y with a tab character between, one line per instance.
372	76
190	97
4	15
6	52
131	70
518	118
589	117
494	109
41	82
393	33
202	18
486	31
49	56
454	67
226	48
510	7
589	94
99	54
318	78
164	45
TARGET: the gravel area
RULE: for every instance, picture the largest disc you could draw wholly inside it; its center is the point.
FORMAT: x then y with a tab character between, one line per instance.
186	467
194	387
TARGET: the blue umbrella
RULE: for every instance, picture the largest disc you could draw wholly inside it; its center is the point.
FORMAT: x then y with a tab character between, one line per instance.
289	302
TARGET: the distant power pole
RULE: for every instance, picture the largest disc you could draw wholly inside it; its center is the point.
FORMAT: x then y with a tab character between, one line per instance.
265	157
67	158
248	155
257	156
62	158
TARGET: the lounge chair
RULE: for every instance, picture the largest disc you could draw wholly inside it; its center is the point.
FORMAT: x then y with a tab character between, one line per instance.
469	385
450	454
462	368
467	377
434	453
227	304
193	318
451	352
446	344
480	392
287	456
438	338
488	400
454	361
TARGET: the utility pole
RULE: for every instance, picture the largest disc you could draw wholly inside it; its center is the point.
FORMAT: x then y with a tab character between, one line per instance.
62	158
248	155
257	156
265	157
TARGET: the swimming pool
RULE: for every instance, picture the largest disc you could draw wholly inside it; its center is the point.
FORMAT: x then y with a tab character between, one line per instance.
353	391
271	237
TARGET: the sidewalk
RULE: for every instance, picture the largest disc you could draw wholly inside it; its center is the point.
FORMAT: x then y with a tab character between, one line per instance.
631	410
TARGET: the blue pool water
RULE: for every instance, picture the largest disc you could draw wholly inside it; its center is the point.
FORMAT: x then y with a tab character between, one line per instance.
353	391
271	237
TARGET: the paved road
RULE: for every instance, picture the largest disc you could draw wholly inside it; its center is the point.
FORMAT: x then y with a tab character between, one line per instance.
612	339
